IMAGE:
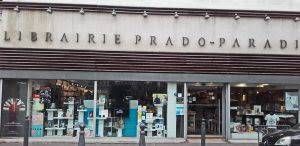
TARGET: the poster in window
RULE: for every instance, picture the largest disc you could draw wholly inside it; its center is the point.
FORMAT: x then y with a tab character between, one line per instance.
14	99
291	101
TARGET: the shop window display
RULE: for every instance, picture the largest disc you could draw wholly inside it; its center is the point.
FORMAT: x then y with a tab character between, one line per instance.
124	105
57	107
204	102
268	105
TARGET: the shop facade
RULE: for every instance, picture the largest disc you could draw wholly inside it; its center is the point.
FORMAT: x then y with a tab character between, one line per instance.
111	68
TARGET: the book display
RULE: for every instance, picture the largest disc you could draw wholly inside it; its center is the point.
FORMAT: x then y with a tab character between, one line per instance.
61	106
58	108
154	121
251	107
60	121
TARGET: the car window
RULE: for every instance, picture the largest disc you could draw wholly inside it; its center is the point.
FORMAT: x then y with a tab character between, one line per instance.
297	126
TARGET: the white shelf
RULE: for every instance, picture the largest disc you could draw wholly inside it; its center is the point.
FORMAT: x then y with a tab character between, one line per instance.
63	118
101	118
159	105
55	128
51	110
81	110
101	103
69	103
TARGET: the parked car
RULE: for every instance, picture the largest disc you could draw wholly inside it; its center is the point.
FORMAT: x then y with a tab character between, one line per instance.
289	137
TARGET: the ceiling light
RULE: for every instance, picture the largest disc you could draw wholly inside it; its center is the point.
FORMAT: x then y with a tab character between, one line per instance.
49	10
236	16
17	9
206	16
241	85
81	11
267	18
114	13
176	15
197	84
145	14
244	97
262	85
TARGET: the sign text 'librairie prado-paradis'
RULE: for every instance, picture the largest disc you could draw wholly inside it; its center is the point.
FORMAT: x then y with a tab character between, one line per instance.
151	40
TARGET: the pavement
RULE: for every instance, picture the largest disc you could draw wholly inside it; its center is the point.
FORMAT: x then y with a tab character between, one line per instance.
71	141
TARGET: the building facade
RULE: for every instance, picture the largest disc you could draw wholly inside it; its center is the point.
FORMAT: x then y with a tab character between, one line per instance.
111	65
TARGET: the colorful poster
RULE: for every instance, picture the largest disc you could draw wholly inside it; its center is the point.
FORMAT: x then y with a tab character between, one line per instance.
14	99
179	109
14	109
291	101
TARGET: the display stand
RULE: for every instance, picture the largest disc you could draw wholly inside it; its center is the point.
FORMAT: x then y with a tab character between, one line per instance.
50	131
70	116
101	117
58	125
119	132
149	129
159	108
81	116
159	126
110	127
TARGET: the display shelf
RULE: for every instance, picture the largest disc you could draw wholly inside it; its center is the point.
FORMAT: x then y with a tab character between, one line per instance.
80	110
101	118
101	103
55	128
69	103
159	105
63	118
50	109
61	123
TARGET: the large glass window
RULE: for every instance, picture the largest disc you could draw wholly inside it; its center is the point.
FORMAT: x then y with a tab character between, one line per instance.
261	104
205	102
106	108
115	109
124	105
14	103
59	106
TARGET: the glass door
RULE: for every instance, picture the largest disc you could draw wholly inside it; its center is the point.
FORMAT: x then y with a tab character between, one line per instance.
204	102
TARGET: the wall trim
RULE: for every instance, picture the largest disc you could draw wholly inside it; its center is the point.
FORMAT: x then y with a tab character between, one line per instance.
149	10
163	77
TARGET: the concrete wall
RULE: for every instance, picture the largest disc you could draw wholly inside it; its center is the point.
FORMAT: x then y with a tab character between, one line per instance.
273	5
163	27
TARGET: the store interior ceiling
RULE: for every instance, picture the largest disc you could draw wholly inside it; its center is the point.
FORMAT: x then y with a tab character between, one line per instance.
198	85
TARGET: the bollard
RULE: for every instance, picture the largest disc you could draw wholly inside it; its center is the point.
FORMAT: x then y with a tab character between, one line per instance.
203	132
26	131
81	135
142	141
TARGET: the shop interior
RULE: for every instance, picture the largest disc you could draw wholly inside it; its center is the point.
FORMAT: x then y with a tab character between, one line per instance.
204	102
262	104
60	106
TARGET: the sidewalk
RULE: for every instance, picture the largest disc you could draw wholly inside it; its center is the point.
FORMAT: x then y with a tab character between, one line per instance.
71	141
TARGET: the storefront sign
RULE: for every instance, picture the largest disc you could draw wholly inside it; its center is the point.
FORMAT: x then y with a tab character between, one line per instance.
98	31
93	38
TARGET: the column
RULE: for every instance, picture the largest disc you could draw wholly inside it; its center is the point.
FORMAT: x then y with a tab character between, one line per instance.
171	110
223	112
299	105
1	83
95	108
227	106
185	110
29	94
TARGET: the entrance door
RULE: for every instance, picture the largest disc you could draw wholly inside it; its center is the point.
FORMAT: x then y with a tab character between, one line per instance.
204	101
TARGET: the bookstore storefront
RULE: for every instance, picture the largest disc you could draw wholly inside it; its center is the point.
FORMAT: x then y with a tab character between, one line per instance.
96	70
